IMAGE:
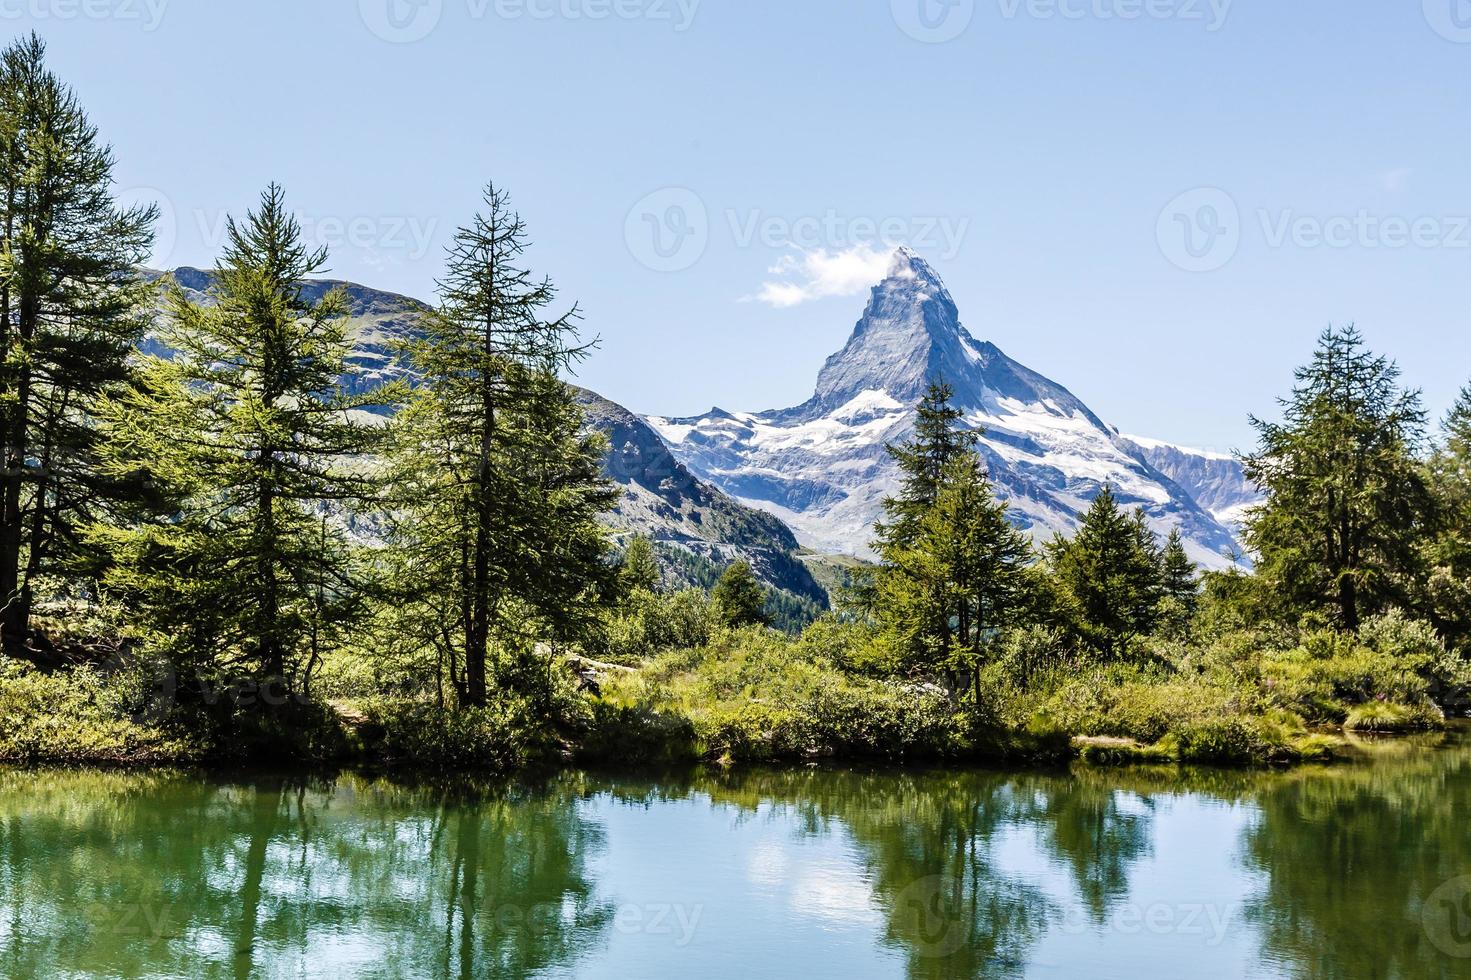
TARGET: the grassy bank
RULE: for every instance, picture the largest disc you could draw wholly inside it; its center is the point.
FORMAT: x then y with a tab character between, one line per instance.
1240	699
755	695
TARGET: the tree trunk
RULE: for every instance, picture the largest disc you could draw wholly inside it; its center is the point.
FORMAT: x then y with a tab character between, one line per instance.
16	627
1348	602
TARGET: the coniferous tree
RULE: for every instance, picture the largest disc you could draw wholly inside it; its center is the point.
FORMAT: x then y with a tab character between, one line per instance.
738	597
952	567
1448	589
246	428
1179	585
1109	574
923	460
639	570
1181	581
71	308
1347	501
964	577
499	489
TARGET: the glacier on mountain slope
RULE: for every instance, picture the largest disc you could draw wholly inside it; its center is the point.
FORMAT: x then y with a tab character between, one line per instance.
822	467
1217	481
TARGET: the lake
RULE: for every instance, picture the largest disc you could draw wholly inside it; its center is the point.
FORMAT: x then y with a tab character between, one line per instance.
1353	871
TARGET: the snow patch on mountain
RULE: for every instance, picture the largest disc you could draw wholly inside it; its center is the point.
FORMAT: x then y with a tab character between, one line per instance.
822	466
1217	481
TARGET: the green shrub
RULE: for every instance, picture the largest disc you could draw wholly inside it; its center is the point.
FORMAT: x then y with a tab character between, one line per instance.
80	716
639	734
755	695
1385	717
651	622
420	735
1216	741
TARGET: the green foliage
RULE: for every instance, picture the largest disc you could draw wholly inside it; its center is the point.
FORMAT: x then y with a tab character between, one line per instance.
647	623
1347	501
1108	576
1446	592
738	598
497	489
1385	717
247	432
639	568
422	737
954	570
938	441
80	716
73	307
754	695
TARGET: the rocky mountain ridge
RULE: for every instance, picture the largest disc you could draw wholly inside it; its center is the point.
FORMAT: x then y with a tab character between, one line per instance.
821	466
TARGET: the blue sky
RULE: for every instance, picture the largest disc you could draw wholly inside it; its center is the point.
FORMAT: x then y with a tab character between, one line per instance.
1048	157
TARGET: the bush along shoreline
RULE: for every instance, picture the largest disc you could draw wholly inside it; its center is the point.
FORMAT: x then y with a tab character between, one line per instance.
227	539
752	695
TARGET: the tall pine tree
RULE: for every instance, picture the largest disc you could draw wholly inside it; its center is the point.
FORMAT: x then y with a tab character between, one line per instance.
1346	496
1448	589
248	430
71	308
1109	574
499	489
953	567
938	440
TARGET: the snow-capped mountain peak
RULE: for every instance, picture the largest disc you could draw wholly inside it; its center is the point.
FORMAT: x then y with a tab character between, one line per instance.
823	468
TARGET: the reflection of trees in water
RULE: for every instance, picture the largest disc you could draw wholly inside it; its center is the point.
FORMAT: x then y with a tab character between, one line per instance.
1349	857
129	874
126	874
1085	825
928	842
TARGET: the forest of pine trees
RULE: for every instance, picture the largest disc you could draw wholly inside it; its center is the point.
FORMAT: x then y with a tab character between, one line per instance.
221	550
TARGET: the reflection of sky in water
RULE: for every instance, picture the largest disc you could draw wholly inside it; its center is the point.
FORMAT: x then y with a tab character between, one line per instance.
1186	902
767	896
766	885
742	875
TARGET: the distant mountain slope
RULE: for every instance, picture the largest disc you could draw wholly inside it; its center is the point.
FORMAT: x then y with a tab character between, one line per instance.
1217	481
822	467
378	320
660	499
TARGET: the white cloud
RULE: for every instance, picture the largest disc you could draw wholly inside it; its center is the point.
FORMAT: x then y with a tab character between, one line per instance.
819	274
